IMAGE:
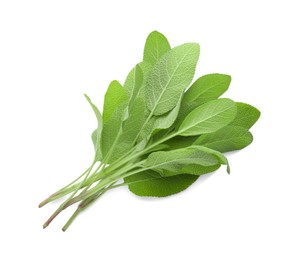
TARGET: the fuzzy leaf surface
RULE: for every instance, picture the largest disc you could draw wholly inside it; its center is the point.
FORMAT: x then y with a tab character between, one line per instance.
175	160
130	129
114	97
247	115
133	83
207	88
228	138
208	118
112	131
181	142
152	184
196	167
204	89
96	135
156	46
158	123
193	169
169	77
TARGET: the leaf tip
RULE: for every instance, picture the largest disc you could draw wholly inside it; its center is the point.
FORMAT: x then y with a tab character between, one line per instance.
87	97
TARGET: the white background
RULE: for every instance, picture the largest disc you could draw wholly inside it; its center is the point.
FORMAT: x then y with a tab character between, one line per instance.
51	52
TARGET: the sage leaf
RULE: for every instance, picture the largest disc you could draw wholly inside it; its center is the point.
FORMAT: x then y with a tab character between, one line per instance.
152	184
228	138
96	135
114	97
175	160
184	160
204	89
155	47
133	83
169	77
181	142
196	169
193	169
246	116
209	117
130	128
111	132
158	123
207	88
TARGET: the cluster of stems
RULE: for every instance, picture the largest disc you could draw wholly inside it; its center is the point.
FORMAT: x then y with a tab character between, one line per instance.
95	181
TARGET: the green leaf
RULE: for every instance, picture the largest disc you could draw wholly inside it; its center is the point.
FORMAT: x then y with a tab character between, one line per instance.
115	111
152	184
96	135
247	115
208	118
193	169
96	140
159	147
146	68
228	138
181	142
204	89
133	83
207	88
196	167
175	160
199	169
130	129
170	76
111	132
156	46
114	97
221	158
158	123
166	120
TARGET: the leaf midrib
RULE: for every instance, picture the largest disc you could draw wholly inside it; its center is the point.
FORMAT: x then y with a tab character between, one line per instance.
173	160
163	91
205	119
224	140
165	88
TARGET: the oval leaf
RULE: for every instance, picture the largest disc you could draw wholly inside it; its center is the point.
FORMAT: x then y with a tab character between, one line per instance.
158	123
111	132
204	89
207	88
133	83
152	184
175	160
170	76
130	129
114	97
229	138
247	115
208	118
156	45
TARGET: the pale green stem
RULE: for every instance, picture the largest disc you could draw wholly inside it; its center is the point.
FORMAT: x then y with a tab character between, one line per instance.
129	158
84	205
108	180
62	206
57	193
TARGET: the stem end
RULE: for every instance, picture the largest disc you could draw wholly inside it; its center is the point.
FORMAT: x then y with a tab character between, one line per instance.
74	215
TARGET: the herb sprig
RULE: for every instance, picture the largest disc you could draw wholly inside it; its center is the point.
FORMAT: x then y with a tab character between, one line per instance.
156	134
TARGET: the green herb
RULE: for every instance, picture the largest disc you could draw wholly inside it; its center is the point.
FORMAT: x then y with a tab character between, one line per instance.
157	135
